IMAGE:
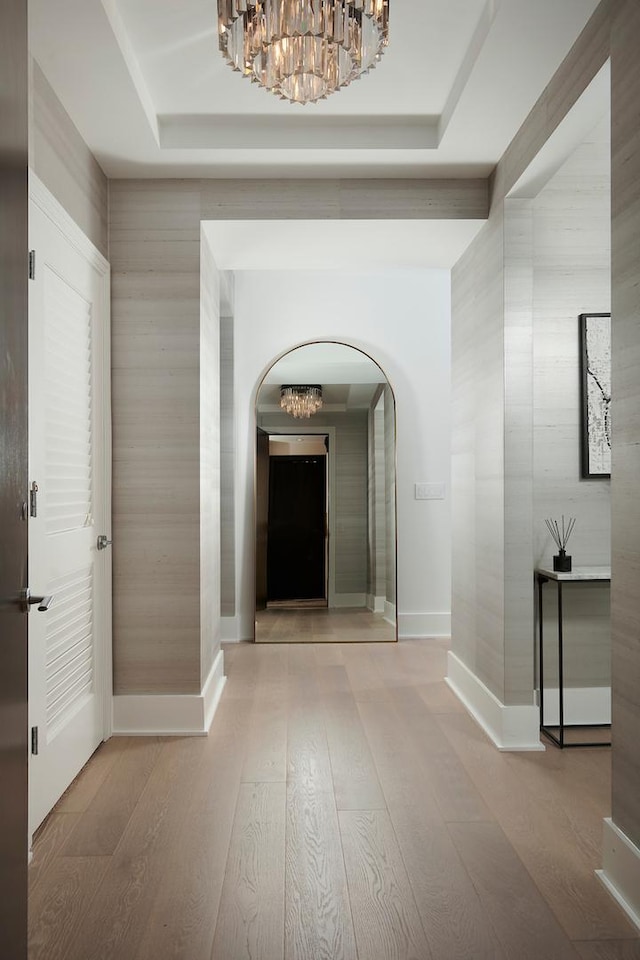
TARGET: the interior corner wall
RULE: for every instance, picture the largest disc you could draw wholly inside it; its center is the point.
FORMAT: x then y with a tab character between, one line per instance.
402	319
227	473
155	270
572	275
478	456
210	493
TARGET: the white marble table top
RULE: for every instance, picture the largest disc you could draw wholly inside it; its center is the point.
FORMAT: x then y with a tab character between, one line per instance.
576	574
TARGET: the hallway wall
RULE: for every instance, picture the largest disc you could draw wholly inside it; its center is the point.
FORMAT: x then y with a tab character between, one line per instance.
154	234
571	275
401	318
492	464
614	30
64	163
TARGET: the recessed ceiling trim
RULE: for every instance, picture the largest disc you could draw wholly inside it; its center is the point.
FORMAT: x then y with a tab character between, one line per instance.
133	65
469	61
255	132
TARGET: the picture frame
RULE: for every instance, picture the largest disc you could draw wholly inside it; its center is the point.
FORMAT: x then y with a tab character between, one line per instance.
595	395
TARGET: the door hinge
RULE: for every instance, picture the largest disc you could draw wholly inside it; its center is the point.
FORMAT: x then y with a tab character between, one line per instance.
33	500
34	741
32	264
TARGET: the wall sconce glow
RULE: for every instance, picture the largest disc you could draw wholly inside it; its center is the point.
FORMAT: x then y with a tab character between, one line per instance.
300	401
303	50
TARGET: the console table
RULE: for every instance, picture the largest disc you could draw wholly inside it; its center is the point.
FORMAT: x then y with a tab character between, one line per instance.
578	575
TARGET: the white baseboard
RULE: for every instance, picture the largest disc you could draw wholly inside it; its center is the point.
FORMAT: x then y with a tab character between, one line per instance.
389	613
414	626
350	600
168	715
582	705
621	870
375	604
510	728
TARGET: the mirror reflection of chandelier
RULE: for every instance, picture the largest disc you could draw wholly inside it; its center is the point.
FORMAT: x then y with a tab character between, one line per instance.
301	401
303	50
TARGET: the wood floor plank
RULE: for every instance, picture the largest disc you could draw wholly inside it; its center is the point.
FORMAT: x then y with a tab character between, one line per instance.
303	673
333	679
439	697
403	763
328	654
457	795
266	755
47	844
82	791
455	925
609	949
116	922
251	916
241	669
193	857
318	922
555	856
62	903
307	746
525	924
365	678
273	671
355	779
385	917
99	829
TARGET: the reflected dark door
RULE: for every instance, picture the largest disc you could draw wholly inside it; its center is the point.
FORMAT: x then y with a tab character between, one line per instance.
296	548
262	517
13	479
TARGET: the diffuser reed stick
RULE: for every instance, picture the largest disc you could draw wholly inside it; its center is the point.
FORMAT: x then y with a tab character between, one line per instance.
561	532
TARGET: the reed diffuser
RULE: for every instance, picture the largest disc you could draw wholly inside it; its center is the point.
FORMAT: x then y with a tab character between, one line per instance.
561	533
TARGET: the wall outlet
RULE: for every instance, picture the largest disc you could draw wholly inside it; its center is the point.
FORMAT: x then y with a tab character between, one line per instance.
429	491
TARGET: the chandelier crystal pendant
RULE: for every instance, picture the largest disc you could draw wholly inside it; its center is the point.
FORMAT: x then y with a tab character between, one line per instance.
303	50
300	401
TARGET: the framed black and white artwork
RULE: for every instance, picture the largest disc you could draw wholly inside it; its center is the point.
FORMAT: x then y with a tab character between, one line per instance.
595	399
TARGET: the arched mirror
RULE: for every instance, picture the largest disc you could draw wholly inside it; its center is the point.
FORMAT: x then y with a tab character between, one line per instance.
325	499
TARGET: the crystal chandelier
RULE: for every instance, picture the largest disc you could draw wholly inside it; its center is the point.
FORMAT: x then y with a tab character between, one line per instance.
303	50
300	402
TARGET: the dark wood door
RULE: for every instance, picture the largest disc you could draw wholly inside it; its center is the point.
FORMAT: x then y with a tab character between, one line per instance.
13	479
297	509
262	516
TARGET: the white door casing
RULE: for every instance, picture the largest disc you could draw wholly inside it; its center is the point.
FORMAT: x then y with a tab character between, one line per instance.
69	427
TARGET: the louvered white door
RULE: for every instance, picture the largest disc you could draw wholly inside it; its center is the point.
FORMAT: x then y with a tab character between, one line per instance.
67	456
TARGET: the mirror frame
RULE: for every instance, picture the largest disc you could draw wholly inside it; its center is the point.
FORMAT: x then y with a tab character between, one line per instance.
259	385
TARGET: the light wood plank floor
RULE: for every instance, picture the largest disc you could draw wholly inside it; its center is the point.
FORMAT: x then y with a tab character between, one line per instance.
322	625
344	807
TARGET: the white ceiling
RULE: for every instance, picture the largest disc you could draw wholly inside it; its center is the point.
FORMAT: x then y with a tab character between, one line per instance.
321	244
148	90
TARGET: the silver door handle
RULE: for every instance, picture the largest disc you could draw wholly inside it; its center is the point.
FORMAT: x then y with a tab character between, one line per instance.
43	602
103	542
28	600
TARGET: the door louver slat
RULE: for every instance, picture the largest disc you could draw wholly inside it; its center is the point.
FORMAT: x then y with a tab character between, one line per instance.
69	647
68	377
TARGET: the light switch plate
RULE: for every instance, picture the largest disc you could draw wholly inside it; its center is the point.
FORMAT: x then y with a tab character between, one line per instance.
429	491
